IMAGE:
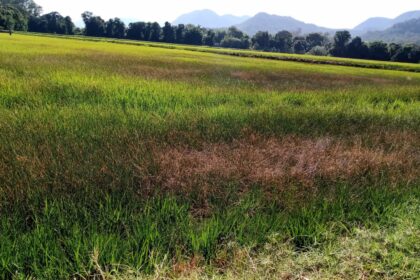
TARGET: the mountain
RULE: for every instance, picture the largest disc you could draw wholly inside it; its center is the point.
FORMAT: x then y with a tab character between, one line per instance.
404	32
373	24
209	19
407	16
274	24
381	23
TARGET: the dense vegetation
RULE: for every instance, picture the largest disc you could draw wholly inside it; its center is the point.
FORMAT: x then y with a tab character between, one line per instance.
134	161
25	15
342	44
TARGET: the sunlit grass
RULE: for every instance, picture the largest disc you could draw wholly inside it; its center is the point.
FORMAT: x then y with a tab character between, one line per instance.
120	158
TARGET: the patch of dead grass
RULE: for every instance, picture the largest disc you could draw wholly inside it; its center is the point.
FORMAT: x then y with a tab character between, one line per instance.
286	161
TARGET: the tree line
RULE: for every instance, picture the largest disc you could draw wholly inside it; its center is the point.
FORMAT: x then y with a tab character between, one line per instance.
25	15
341	45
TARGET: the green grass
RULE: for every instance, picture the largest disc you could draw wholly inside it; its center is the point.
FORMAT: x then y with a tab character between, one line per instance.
363	63
55	236
136	160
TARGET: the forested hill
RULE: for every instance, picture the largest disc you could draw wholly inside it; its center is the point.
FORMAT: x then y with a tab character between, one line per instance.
405	32
275	23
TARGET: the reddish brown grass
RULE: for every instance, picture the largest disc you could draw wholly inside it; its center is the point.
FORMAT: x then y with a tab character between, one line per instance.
281	162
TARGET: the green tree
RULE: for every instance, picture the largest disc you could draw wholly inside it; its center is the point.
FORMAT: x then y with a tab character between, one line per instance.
235	43
378	51
27	7
300	46
393	49
208	39
168	33
193	35
357	49
155	32
283	41
220	35
115	28
147	31
341	39
261	41
69	25
407	53
315	40
12	18
318	51
234	32
94	25
180	34
136	31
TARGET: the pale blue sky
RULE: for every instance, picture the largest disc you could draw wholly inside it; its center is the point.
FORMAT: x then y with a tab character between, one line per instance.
328	13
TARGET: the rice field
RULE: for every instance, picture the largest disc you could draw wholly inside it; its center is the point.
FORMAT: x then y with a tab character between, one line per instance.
132	160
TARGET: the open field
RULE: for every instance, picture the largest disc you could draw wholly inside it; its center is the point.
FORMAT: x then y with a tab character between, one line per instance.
363	63
130	161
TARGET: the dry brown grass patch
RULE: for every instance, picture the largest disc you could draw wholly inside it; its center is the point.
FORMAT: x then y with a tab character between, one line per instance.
281	162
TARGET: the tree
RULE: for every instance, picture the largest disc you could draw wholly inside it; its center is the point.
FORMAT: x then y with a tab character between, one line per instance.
393	49
235	43
136	31
341	40
357	49
283	41
69	25
168	33
300	45
147	31
220	35
414	54
11	18
37	24
318	51
261	41
155	31
234	32
55	23
115	28
180	34
208	38
315	40
408	53
193	35
51	23
48	23
378	51
26	7
94	25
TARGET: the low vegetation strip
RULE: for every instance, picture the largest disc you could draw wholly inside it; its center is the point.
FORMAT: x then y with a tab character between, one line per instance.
122	161
362	63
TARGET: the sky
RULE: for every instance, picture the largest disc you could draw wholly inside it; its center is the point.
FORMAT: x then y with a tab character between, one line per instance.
327	13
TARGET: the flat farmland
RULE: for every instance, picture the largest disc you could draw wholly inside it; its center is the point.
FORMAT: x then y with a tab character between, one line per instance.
134	161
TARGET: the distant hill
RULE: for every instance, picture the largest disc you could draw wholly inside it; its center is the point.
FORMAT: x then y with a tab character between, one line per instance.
373	24
407	16
381	23
404	32
274	24
209	19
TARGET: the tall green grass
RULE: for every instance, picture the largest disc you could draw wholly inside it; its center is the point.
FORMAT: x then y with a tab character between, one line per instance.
57	235
80	122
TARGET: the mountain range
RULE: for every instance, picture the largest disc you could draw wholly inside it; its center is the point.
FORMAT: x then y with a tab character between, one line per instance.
274	23
403	28
381	23
403	32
